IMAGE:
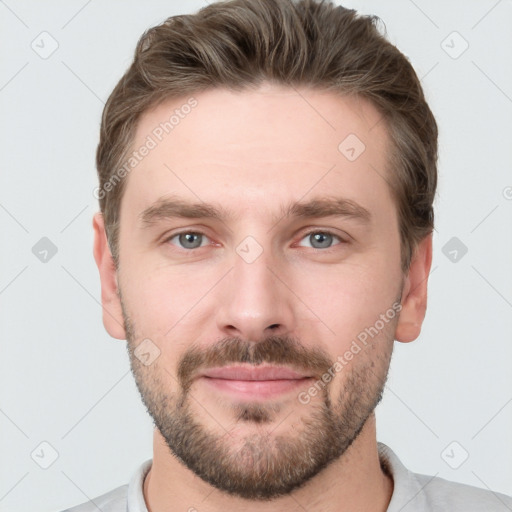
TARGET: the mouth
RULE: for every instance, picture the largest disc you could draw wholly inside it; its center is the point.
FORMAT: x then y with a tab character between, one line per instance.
250	382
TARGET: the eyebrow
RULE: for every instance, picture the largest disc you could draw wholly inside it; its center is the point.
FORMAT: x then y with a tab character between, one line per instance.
173	207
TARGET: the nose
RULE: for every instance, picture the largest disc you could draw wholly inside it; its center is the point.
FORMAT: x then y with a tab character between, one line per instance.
254	300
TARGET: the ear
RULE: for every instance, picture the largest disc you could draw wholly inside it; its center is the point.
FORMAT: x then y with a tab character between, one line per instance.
112	313
414	293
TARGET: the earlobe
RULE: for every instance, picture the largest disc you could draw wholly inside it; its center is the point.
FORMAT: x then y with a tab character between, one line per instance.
110	300
414	293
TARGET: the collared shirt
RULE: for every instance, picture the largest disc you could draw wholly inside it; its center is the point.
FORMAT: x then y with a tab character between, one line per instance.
411	492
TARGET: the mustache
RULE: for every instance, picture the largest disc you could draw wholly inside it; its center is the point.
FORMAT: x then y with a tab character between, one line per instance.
278	350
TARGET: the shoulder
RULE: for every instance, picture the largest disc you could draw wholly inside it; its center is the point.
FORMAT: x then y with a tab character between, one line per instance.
112	501
126	497
442	494
416	492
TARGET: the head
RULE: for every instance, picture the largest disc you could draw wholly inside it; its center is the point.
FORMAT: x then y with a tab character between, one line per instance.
267	174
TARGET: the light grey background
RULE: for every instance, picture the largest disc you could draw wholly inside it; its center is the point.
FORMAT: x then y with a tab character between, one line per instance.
65	382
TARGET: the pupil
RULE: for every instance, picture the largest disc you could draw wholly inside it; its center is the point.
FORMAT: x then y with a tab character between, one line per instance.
189	239
322	238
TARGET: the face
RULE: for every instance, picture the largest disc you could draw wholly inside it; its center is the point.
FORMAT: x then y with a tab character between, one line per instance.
260	280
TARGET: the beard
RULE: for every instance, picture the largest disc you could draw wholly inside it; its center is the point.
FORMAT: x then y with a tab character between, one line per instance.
256	463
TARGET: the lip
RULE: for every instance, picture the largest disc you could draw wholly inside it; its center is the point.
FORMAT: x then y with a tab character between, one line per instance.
254	383
252	373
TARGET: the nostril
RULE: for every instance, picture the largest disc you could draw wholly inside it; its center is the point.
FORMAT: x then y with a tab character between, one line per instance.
273	326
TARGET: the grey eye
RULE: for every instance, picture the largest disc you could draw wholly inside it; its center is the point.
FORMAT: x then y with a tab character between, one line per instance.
189	240
321	239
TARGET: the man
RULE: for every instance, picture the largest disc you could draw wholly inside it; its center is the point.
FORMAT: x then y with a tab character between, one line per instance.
267	173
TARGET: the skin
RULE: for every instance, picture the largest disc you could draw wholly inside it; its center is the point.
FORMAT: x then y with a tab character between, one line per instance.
255	151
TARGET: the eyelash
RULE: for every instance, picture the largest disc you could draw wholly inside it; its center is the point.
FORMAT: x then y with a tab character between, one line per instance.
314	231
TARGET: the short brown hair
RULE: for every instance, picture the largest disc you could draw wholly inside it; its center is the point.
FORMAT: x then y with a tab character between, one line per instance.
239	44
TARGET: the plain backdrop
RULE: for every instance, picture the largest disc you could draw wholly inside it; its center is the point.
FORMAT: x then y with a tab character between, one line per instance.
68	400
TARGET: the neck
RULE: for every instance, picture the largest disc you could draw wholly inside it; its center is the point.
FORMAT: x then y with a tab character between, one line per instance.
354	482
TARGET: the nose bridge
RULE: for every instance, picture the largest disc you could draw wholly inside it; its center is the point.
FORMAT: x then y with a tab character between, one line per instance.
254	285
254	303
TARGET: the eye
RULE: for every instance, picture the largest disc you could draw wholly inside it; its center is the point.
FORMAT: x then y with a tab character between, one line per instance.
321	239
188	240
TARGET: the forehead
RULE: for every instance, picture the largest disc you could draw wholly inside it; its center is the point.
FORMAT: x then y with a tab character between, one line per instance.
257	148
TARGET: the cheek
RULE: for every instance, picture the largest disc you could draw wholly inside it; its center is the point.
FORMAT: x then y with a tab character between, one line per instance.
348	297
162	300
